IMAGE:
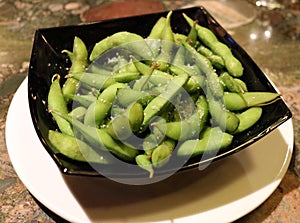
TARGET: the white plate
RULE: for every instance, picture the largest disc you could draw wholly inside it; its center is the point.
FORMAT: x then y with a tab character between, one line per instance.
225	191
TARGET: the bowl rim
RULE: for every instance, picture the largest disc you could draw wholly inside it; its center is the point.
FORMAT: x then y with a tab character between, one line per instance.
92	172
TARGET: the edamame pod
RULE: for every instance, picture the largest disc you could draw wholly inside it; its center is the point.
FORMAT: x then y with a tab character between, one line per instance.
166	44
248	118
93	80
212	139
75	149
78	113
190	127
125	77
100	139
135	113
182	130
224	118
84	100
215	60
231	84
56	101
232	64
120	150
131	41
192	35
123	126
195	81
162	153
235	101
99	109
79	60
145	163
126	96
119	128
159	102
179	38
157	29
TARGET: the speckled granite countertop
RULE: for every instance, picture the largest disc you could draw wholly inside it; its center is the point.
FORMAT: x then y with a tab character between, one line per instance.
272	38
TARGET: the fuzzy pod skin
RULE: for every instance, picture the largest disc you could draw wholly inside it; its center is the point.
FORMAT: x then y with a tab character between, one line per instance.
145	163
56	102
123	126
232	64
75	149
101	140
79	60
212	139
248	118
158	103
157	29
98	110
123	39
235	101
162	153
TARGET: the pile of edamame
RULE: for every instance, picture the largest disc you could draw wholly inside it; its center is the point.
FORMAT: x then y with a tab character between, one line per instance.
145	100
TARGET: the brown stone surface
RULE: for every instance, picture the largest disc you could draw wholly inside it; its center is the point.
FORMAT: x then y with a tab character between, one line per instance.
122	9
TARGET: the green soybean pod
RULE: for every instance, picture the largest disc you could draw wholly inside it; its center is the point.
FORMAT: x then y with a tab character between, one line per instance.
235	101
202	109
70	86
179	58
224	118
135	114
125	77
123	126
120	150
182	130
231	84
131	41
248	118
84	100
79	60
215	60
99	109
179	38
195	81
157	29
149	143
93	80
192	126
126	96
203	63
232	64
75	148
158	103
56	101
119	128
242	84
145	163
100	139
167	43
212	139
192	35
162	154
78	113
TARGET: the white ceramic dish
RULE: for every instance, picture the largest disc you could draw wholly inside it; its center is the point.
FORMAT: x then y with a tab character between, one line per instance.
223	192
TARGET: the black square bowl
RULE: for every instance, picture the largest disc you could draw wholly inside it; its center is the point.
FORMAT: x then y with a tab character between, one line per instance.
47	59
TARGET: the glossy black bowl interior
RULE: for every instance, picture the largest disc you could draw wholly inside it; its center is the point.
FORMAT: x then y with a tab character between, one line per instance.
47	60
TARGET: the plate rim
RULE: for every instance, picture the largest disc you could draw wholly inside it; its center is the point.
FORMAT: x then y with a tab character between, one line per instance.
289	138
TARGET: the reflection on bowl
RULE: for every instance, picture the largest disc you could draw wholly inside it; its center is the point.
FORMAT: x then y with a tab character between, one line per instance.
47	59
